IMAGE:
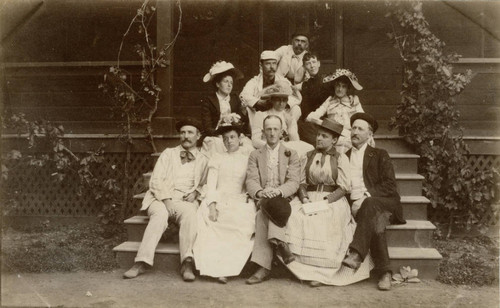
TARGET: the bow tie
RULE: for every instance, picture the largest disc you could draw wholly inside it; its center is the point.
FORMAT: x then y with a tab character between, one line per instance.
186	157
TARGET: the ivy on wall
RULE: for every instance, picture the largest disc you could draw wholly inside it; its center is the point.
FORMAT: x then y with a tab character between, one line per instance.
428	119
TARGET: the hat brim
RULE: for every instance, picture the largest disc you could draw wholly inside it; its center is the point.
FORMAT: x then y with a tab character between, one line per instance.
354	83
224	129
237	74
318	126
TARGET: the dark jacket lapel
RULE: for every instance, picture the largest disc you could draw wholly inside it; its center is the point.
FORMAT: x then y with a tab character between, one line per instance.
215	102
369	152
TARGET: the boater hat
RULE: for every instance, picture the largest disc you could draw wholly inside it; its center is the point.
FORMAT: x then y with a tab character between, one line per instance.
332	126
344	72
187	121
221	67
279	89
268	55
365	117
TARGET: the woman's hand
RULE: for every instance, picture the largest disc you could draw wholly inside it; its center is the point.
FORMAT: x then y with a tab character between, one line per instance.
190	197
213	213
306	200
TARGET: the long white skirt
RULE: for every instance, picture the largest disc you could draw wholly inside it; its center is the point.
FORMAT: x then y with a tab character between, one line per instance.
223	247
320	243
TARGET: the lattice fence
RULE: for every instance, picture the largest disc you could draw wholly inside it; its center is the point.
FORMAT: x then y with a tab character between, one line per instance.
477	163
37	194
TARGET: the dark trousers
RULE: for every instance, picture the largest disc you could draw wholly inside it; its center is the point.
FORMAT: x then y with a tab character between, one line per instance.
371	219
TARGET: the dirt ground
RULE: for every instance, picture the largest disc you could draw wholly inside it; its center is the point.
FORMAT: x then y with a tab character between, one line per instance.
159	289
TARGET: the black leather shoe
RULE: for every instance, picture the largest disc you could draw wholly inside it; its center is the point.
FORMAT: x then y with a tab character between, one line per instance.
285	253
384	283
261	275
352	260
187	270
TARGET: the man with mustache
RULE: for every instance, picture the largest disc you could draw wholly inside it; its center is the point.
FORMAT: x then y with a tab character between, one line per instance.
374	199
251	94
175	189
290	57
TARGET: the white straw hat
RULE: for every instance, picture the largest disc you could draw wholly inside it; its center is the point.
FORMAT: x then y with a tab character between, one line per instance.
221	67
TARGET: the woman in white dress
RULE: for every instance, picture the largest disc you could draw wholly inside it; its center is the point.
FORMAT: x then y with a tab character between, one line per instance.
226	217
321	227
278	95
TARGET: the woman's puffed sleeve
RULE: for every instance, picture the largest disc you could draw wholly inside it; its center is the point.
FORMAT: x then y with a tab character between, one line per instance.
357	104
344	173
257	141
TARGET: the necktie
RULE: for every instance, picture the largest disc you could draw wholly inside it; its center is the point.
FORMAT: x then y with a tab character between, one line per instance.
186	157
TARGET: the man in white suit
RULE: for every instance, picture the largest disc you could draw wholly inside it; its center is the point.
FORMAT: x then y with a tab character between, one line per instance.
175	189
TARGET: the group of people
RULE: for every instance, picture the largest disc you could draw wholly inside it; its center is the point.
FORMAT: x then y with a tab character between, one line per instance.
285	170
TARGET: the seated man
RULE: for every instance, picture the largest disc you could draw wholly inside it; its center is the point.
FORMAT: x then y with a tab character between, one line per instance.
250	96
272	177
290	57
174	190
374	199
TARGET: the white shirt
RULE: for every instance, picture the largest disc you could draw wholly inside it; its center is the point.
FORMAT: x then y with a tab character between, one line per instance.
358	188
272	166
184	175
225	107
288	62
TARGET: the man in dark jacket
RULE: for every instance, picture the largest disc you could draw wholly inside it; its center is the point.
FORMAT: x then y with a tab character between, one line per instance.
374	199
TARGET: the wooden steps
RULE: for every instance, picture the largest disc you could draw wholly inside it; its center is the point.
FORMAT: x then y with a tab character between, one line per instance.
409	244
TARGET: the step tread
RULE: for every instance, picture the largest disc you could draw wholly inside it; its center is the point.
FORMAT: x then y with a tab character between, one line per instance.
412	225
414	199
394	252
140	196
403	155
409	176
165	248
414	253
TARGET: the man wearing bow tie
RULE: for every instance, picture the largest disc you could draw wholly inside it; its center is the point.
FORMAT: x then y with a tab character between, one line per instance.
175	189
290	57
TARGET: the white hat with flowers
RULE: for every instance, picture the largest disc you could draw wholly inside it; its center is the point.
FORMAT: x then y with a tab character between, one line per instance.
344	72
221	67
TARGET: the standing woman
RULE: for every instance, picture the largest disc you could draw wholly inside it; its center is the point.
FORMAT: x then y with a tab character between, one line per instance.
226	217
320	227
219	103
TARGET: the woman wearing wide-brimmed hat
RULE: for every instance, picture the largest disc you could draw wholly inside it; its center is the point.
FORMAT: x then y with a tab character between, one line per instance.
221	102
320	227
278	94
226	217
340	105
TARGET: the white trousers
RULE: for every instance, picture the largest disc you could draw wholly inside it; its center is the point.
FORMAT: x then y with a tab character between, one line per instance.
185	215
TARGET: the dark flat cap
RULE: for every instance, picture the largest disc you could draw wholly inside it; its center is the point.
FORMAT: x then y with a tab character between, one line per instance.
278	210
187	121
365	117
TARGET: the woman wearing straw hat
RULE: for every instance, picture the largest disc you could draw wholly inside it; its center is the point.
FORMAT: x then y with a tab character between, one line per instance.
321	227
340	106
226	217
278	94
221	102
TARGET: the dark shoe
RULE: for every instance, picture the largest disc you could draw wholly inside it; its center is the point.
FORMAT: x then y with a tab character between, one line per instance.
262	274
187	270
285	253
136	270
222	280
352	260
384	283
315	284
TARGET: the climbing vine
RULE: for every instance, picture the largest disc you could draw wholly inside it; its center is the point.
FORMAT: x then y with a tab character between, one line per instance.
428	119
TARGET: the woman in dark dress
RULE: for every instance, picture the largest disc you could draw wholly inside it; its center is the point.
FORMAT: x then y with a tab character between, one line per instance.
221	103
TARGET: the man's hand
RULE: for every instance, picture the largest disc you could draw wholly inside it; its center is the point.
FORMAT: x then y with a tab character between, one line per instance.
306	200
190	197
261	105
271	193
356	205
213	213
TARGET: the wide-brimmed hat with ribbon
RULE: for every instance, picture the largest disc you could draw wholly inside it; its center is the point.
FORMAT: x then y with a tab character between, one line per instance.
221	67
344	72
331	126
279	89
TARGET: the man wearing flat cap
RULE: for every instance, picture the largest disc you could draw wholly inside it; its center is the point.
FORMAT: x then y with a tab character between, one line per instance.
175	189
273	175
251	95
374	199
